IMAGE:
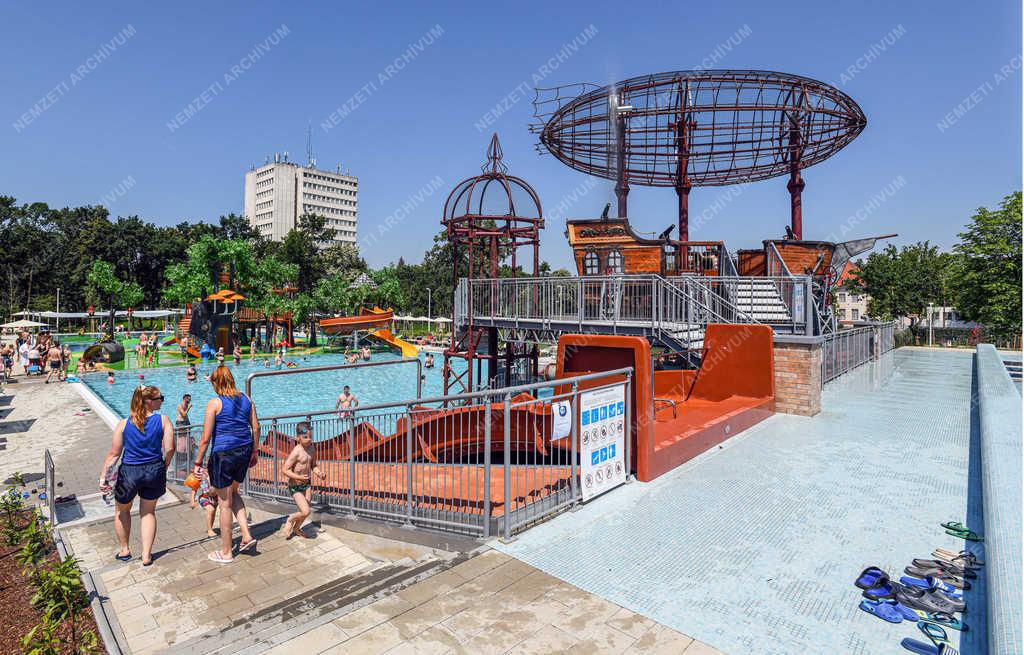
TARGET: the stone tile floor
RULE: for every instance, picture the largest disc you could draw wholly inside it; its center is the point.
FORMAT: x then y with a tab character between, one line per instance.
492	604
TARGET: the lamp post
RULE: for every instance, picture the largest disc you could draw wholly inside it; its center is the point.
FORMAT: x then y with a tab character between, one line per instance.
57	329
931	321
428	303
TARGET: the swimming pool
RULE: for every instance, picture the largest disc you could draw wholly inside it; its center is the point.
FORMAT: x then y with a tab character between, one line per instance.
274	395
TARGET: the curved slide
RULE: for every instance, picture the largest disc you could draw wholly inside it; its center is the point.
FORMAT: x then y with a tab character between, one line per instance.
192	352
384	334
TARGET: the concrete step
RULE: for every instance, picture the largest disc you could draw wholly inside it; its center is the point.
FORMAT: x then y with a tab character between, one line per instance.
295	616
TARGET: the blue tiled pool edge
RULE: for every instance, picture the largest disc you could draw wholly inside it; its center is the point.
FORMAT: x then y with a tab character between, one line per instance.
999	410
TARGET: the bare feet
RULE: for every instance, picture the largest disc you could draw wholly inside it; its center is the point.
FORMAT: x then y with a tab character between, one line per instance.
299	533
211	533
286	529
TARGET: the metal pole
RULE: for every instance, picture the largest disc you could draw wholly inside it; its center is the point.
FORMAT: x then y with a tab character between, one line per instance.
408	464
57	329
574	432
508	469
351	466
428	303
627	427
931	321
487	471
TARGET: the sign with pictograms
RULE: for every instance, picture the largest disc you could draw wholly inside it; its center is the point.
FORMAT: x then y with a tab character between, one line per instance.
602	440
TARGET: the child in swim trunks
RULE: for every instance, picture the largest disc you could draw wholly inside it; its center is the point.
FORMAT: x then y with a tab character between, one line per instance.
207	499
299	469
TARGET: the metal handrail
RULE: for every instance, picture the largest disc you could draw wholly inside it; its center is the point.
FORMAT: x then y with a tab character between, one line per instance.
772	250
335	367
449	399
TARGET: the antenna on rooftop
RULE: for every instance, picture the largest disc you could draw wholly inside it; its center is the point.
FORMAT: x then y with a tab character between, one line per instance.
310	159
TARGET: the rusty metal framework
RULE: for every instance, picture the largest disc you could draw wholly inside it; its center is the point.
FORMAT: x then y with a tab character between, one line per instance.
683	129
489	218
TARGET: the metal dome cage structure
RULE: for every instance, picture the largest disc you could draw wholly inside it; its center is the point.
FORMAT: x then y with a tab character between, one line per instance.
489	218
683	129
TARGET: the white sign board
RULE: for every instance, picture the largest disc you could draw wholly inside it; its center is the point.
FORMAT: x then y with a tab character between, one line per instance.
561	424
602	440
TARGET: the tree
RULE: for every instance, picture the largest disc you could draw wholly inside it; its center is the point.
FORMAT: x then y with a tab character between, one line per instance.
901	283
104	284
988	288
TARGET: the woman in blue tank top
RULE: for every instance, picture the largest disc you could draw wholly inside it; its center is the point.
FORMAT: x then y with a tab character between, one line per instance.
230	425
145	443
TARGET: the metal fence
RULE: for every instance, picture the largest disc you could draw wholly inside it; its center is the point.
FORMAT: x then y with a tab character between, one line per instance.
480	464
848	349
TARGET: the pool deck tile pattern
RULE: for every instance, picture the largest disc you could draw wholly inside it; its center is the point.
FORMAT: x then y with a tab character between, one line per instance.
754	546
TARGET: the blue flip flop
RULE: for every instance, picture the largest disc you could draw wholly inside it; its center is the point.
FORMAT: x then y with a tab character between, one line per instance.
123	558
943	619
869	577
882	610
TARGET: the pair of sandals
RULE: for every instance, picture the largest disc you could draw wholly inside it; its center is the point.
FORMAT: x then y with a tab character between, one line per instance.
961	531
964	559
218	557
940	643
127	558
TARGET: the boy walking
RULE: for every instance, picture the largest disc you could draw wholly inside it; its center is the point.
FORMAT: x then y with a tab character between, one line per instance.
299	469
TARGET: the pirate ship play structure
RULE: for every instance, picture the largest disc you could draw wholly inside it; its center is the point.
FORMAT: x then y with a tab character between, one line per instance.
695	335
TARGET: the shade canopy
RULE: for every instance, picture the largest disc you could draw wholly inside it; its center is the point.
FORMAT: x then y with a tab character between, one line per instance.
23	323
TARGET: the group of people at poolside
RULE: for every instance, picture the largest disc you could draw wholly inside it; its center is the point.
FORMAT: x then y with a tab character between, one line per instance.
144	445
36	355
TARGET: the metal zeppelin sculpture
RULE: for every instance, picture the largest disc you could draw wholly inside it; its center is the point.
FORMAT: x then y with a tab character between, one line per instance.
683	129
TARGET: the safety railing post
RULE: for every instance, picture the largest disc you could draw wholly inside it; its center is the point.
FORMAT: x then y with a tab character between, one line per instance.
487	471
408	464
351	467
574	431
627	428
808	307
274	462
507	481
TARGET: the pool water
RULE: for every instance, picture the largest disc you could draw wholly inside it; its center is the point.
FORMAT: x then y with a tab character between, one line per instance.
275	395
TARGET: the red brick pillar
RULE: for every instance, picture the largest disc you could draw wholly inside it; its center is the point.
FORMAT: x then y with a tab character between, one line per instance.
797	374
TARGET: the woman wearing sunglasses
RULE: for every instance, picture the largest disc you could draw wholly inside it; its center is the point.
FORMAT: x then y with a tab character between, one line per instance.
145	444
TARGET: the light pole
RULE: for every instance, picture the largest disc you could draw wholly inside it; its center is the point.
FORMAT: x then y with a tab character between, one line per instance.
428	303
931	321
57	329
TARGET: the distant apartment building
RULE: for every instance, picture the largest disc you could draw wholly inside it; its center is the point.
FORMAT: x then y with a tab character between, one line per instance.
852	307
278	192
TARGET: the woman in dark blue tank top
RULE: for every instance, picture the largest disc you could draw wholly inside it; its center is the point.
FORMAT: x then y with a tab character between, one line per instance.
230	425
145	443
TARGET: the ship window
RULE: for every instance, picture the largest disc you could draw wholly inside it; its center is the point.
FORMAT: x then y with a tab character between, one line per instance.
591	264
614	262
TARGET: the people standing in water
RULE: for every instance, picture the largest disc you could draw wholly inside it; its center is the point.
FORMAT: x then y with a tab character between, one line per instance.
428	361
237	353
347	402
232	432
190	373
252	349
144	442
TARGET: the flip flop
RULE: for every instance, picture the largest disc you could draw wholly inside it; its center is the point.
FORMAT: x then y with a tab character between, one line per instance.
969	535
247	546
949	567
123	558
915	646
964	558
882	610
943	619
936	633
953	581
954	525
216	556
869	577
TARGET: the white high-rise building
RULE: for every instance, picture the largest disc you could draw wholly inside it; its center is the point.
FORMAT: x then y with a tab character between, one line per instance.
277	193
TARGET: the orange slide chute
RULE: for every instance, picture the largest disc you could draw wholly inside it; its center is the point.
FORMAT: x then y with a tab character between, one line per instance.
192	352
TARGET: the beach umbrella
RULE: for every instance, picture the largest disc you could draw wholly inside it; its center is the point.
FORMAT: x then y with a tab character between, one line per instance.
23	323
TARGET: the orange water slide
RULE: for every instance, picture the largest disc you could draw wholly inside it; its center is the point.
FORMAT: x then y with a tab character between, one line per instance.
192	352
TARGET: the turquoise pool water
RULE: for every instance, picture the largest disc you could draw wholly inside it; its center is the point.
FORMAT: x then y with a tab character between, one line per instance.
274	395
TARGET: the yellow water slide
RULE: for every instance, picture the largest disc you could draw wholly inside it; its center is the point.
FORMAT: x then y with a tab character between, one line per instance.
407	349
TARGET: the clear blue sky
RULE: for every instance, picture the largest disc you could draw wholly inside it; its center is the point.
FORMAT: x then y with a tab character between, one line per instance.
109	124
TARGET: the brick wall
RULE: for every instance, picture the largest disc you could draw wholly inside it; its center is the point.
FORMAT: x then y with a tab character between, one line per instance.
798	378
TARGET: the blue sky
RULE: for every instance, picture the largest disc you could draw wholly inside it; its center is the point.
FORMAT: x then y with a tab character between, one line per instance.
104	130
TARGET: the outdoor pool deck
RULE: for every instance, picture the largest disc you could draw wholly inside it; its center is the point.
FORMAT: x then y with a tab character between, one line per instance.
754	546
